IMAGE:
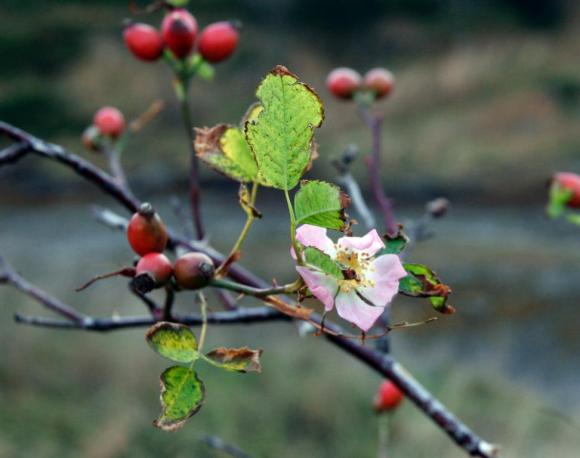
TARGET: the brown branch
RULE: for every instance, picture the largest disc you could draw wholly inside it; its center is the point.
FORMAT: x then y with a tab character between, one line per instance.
381	363
13	153
94	174
253	315
373	163
9	276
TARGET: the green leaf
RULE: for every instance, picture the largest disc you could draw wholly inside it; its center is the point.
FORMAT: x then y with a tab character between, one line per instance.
178	3
424	282
574	218
558	199
316	258
173	341
321	204
236	359
395	244
281	134
224	149
182	395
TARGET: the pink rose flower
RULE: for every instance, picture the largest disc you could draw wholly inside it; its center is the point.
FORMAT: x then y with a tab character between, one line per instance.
369	282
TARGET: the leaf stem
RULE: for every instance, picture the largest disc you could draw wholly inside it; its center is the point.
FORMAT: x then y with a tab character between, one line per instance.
295	244
249	221
257	292
203	307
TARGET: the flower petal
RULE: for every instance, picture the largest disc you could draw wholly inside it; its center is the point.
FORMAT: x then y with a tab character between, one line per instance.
321	285
352	308
314	236
385	273
368	244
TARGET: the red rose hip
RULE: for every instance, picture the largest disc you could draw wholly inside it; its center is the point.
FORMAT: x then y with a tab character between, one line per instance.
218	41
343	82
179	29
388	397
146	232
193	270
380	81
152	271
571	182
144	41
110	121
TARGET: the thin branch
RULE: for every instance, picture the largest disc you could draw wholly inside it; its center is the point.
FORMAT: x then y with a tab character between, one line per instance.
194	188
94	174
154	309
346	179
183	218
373	162
9	276
218	443
13	153
255	315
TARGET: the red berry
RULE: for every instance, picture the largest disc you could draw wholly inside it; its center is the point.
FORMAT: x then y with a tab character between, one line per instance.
146	232
144	41
152	271
343	82
380	81
388	397
218	41
91	139
571	182
110	121
193	270
179	29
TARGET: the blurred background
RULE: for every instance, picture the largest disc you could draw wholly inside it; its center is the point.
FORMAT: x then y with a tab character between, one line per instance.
486	107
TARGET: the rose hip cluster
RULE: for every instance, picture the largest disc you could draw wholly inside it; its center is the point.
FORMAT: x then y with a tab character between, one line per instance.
179	34
346	83
148	238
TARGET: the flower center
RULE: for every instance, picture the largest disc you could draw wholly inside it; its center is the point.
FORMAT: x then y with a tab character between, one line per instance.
355	267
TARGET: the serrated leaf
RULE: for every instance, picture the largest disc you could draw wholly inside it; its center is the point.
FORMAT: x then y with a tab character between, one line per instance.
224	149
281	134
394	244
173	341
316	258
252	113
182	395
424	282
236	359
558	199
321	204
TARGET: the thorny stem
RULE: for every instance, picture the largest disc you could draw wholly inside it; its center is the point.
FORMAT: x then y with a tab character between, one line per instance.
383	364
182	93
249	221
